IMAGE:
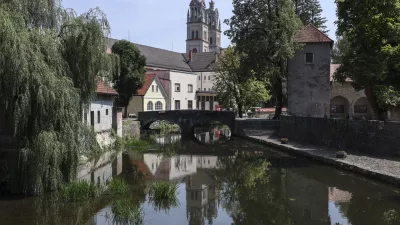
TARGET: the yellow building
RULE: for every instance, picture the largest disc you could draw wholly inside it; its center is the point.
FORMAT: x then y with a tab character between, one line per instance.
152	97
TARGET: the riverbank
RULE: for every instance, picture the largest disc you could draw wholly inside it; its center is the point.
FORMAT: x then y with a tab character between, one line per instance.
379	168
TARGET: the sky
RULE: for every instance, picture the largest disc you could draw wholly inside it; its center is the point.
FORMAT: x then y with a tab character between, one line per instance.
162	23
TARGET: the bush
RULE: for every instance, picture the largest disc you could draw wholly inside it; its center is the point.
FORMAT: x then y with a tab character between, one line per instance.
126	212
117	187
79	191
163	195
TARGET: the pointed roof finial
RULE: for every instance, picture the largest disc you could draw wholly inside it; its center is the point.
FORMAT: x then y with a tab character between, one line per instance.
212	4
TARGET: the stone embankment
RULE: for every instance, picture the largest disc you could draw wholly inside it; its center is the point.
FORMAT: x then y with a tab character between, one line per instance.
383	168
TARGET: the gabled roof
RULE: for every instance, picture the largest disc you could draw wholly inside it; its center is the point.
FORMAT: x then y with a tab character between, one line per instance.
202	62
148	80
103	88
311	34
156	57
164	59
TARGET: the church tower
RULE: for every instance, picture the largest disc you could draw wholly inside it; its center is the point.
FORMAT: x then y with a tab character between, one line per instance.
203	27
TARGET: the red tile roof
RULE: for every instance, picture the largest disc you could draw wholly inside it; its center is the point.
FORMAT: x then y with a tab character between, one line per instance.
334	67
311	34
103	88
148	79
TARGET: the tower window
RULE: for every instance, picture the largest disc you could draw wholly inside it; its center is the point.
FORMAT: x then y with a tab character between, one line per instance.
197	34
211	40
192	34
194	50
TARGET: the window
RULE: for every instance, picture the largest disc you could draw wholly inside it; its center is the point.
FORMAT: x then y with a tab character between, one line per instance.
195	195
92	118
106	112
177	104
310	58
211	41
207	98
192	34
198	98
177	87
197	34
209	89
190	104
337	108
195	50
156	88
150	106
199	77
203	98
209	77
205	77
190	88
152	88
205	89
98	116
158	106
360	109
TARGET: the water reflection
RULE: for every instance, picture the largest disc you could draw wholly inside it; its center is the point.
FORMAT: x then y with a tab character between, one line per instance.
237	183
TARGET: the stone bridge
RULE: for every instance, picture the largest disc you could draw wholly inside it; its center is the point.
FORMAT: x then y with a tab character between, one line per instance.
187	119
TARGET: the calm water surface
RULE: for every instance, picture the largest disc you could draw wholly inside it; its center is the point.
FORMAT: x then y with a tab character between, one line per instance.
223	181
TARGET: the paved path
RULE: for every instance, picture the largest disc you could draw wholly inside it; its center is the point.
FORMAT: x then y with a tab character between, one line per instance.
387	170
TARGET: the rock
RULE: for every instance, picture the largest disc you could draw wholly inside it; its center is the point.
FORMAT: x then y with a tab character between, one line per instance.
341	154
284	140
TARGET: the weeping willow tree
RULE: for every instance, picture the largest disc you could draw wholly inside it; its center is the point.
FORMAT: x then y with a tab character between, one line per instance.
49	61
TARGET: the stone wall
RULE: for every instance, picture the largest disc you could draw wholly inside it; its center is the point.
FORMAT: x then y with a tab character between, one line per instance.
131	128
256	127
309	84
372	137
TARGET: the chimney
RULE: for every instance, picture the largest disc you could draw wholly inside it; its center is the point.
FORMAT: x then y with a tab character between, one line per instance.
190	55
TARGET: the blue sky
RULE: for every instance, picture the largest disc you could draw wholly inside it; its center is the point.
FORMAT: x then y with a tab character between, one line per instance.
162	23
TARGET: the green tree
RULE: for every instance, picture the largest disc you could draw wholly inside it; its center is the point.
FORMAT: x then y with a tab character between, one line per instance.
309	11
264	31
236	85
339	49
372	59
132	71
49	60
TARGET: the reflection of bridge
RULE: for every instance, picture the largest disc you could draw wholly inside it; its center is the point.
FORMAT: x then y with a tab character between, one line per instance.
187	119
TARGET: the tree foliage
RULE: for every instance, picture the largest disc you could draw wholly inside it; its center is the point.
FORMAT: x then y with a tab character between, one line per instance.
236	86
372	59
131	77
309	11
264	31
339	49
49	59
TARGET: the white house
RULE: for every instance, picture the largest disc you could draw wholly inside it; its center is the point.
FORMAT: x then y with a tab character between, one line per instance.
99	113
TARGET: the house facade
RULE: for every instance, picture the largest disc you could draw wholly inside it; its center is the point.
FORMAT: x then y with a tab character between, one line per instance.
346	102
99	114
151	97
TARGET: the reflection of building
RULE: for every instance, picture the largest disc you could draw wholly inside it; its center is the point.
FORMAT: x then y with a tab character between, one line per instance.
214	136
171	138
336	195
157	167
202	192
106	169
308	200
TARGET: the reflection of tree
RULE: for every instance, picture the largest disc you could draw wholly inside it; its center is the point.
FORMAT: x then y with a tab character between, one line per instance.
250	193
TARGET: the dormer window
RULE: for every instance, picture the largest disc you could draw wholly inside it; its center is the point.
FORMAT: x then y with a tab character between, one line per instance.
309	58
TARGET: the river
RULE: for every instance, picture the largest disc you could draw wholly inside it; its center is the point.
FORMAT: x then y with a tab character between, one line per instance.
223	181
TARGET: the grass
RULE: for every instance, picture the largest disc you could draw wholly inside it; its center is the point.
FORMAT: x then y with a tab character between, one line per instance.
79	191
126	212
139	145
117	187
163	195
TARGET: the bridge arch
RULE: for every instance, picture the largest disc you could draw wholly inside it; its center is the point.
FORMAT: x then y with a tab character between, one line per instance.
187	119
